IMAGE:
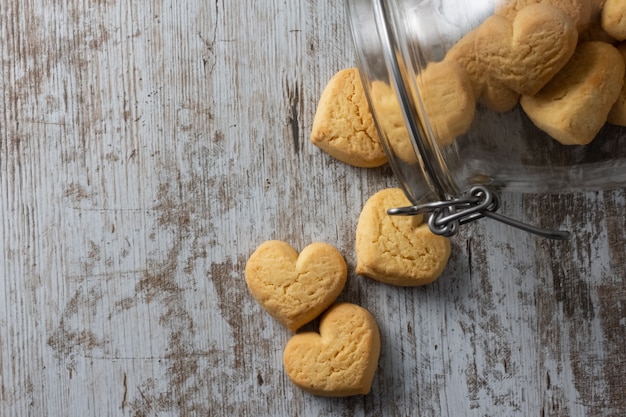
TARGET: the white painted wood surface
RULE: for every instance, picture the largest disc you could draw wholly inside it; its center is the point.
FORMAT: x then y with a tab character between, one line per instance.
146	149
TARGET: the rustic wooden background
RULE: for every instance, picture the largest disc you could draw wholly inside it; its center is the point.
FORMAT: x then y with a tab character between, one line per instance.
146	149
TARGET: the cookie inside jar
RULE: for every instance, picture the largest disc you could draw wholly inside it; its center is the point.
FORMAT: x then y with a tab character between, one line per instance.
487	94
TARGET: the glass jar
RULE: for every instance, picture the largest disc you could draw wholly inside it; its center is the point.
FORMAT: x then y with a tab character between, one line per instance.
466	145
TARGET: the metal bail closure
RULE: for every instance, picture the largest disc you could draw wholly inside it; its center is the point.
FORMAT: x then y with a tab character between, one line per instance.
446	216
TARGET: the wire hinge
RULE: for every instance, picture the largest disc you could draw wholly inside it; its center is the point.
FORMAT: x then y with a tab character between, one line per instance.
445	217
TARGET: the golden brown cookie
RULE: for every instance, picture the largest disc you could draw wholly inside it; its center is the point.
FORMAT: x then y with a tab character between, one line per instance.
397	250
391	121
580	11
448	98
343	125
339	361
574	106
493	94
614	18
295	289
526	53
617	115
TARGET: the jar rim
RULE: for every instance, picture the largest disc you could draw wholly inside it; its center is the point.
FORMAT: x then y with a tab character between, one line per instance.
377	33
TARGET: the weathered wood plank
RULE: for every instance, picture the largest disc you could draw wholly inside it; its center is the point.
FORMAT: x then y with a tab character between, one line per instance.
147	148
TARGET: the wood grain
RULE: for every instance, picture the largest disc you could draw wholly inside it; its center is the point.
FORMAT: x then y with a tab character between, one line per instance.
146	149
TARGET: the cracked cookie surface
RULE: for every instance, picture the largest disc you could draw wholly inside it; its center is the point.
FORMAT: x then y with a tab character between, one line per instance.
397	250
343	126
526	53
575	104
295	288
341	359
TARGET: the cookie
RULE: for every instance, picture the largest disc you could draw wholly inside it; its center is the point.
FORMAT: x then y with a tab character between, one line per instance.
448	98
397	250
580	11
617	115
574	106
614	18
295	289
339	361
491	93
391	121
343	126
526	53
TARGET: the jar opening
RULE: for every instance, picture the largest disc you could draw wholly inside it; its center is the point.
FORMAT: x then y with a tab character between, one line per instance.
442	138
390	69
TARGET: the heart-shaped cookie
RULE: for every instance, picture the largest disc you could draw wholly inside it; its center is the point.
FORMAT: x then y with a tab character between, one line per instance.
343	126
526	53
295	289
574	106
339	361
397	250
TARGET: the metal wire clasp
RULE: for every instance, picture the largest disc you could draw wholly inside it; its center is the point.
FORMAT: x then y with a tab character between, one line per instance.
446	216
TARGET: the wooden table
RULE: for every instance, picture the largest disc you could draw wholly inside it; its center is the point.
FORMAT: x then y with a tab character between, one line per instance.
147	148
